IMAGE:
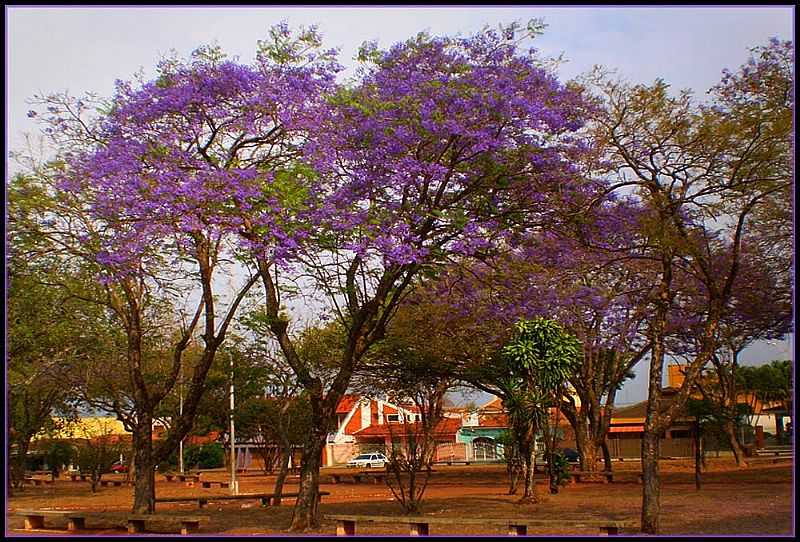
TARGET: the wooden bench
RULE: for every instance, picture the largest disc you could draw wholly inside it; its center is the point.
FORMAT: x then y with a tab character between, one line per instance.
577	475
39	481
419	525
115	483
189	524
34	519
210	483
190	479
376	476
76	477
267	499
453	462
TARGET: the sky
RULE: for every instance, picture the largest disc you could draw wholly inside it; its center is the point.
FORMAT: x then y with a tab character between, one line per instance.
53	49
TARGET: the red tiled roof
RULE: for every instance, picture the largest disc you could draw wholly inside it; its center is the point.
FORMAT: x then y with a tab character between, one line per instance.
346	403
448	426
493	420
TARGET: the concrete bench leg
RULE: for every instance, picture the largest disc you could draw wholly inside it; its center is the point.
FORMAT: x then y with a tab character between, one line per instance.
606	531
418	529
34	522
189	527
517	530
345	528
73	524
135	526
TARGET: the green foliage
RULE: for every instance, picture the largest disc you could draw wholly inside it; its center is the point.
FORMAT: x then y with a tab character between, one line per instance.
58	453
560	467
770	382
540	359
206	456
99	455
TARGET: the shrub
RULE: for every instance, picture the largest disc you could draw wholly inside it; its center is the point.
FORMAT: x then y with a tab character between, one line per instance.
207	456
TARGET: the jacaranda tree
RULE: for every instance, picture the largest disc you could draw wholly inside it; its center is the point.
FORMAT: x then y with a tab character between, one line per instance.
444	147
164	175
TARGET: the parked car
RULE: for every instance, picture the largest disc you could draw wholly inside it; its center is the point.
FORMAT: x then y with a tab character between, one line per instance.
119	468
571	455
368	460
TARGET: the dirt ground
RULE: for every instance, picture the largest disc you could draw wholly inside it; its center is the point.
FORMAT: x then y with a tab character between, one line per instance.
756	500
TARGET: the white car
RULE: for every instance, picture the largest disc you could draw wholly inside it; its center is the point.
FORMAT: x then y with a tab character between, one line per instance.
368	460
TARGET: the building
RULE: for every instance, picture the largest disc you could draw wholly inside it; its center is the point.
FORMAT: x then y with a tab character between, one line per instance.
770	418
481	432
626	429
368	424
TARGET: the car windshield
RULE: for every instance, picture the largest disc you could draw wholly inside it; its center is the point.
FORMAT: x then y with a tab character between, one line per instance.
364	456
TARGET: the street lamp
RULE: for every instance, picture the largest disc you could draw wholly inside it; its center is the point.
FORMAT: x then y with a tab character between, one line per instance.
234	484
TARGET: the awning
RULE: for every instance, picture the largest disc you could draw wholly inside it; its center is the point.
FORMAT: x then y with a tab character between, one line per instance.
623	429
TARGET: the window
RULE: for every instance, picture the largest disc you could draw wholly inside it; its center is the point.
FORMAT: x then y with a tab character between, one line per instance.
393	417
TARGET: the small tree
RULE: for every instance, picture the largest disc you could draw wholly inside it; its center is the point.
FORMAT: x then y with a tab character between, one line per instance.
515	466
97	455
205	456
58	454
411	375
530	375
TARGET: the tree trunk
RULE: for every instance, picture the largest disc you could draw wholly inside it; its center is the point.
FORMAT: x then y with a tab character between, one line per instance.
697	456
703	452
306	513
144	496
18	465
587	451
513	478
606	456
651	489
729	428
529	494
282	472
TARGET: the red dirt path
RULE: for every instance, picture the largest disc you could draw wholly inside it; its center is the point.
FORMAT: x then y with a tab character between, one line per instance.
756	500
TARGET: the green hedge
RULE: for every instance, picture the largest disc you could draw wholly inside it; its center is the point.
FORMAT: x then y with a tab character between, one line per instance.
207	456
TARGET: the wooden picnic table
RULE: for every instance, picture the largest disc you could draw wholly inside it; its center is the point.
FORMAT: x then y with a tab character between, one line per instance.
34	519
420	525
136	522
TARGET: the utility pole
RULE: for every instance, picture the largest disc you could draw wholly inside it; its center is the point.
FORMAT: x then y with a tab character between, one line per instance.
234	484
